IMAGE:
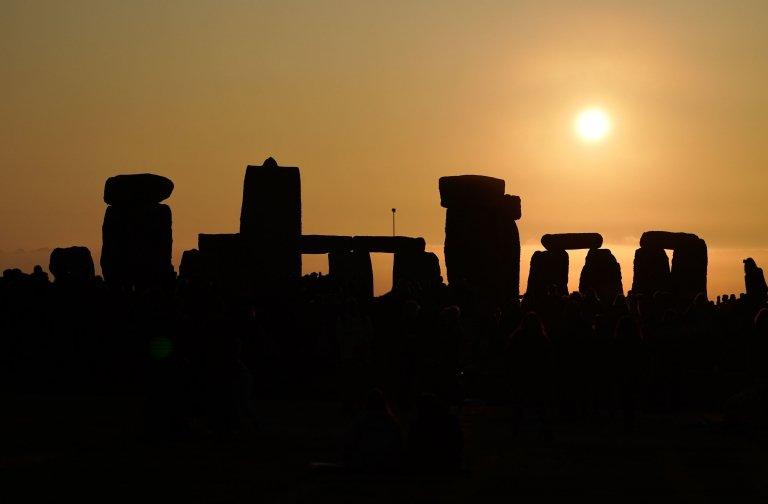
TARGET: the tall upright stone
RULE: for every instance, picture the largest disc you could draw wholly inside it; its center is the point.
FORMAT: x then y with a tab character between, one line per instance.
421	268
601	274
270	224
651	271
688	275
482	243
754	281
689	269
137	232
548	273
353	270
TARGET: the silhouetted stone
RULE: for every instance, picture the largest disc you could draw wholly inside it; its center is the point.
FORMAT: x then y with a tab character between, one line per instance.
422	268
482	243
224	260
511	207
191	265
572	241
754	280
270	223
470	191
72	265
388	244
548	272
323	244
689	268
352	270
666	239
137	242
482	250
602	274
651	271
137	189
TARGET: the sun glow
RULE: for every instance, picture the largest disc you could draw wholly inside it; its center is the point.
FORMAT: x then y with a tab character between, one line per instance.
592	124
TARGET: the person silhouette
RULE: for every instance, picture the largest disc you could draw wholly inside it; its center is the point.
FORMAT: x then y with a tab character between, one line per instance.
374	441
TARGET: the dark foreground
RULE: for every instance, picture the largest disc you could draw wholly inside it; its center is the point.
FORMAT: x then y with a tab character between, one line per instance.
88	450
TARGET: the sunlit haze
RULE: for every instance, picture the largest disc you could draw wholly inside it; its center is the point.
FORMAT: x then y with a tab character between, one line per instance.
593	124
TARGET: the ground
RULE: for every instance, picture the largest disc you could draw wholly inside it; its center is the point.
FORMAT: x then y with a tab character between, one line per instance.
92	449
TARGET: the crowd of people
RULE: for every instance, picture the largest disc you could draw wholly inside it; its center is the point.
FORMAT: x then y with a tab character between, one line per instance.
401	364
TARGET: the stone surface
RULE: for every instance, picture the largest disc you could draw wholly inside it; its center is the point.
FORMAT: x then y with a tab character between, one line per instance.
572	241
482	252
421	268
224	261
651	271
666	239
353	271
689	268
137	189
601	274
470	190
270	223
323	244
191	265
548	273
754	280
71	265
137	241
511	206
388	244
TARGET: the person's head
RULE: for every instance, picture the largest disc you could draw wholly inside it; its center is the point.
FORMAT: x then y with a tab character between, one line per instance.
761	321
749	265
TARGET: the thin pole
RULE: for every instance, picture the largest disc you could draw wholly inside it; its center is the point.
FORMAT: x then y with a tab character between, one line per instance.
393	221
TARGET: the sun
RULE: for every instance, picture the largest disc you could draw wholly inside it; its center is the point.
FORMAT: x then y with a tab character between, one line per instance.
592	124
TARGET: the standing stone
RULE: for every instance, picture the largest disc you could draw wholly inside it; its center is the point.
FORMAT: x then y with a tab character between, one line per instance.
353	271
548	273
270	224
651	271
224	263
601	274
191	265
71	265
482	243
689	268
422	268
754	280
137	232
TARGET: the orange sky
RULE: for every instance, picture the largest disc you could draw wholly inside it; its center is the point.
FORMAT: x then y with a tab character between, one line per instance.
376	100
